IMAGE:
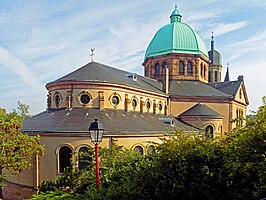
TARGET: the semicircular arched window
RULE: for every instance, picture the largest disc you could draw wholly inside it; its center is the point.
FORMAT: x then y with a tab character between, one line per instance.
189	68
151	150
65	155
85	159
181	68
157	69
209	131
139	149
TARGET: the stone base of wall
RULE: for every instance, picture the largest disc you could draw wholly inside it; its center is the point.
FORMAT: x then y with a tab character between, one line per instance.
13	191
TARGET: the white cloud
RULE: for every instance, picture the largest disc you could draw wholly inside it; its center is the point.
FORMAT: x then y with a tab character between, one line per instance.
224	28
18	67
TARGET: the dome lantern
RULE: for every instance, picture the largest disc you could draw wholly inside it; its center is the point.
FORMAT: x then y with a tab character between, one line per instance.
175	16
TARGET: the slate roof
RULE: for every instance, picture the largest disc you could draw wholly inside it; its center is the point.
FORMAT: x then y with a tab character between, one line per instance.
228	87
115	122
195	89
201	110
96	72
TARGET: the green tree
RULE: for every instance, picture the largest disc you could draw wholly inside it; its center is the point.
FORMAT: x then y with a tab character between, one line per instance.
16	149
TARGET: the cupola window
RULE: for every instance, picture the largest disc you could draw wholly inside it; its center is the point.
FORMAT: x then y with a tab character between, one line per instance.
181	68
157	69
189	68
215	76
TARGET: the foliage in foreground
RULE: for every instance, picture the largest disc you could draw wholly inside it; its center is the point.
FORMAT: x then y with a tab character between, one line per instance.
16	148
185	167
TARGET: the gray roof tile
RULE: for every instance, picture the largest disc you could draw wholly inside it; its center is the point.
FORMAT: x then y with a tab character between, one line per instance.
195	89
114	121
96	72
201	110
228	87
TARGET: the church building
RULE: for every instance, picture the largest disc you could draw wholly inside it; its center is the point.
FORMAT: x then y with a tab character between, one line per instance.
182	89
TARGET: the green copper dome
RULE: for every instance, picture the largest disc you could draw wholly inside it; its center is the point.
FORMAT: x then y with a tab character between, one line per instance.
176	37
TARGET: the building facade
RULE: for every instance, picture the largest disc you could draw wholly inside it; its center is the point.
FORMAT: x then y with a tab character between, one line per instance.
181	90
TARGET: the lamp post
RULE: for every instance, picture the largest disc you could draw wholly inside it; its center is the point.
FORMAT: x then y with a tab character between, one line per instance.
96	132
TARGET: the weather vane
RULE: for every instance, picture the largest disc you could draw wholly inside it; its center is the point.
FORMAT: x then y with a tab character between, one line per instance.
92	54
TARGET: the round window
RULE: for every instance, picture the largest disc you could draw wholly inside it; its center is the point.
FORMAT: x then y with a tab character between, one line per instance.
115	100
85	98
57	99
134	103
148	105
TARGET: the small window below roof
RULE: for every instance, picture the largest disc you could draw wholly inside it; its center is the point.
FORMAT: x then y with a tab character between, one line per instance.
134	103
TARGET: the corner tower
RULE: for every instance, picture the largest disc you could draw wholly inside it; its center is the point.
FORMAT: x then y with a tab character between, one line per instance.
179	49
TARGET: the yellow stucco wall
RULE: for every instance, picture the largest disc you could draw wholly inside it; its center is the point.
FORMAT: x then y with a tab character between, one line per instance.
178	107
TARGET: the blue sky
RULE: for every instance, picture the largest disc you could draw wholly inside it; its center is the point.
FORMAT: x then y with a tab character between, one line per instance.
42	40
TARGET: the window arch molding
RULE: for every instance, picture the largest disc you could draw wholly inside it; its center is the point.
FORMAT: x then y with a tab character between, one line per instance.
157	69
57	99
84	98
134	102
189	68
151	149
65	159
209	130
82	164
138	147
115	99
181	67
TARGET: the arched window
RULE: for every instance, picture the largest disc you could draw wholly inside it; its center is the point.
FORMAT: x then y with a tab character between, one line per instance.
210	76
157	69
139	149
65	155
215	76
204	71
209	131
189	68
85	159
181	68
201	69
151	150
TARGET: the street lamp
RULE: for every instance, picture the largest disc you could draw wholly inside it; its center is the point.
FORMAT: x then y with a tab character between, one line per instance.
96	132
